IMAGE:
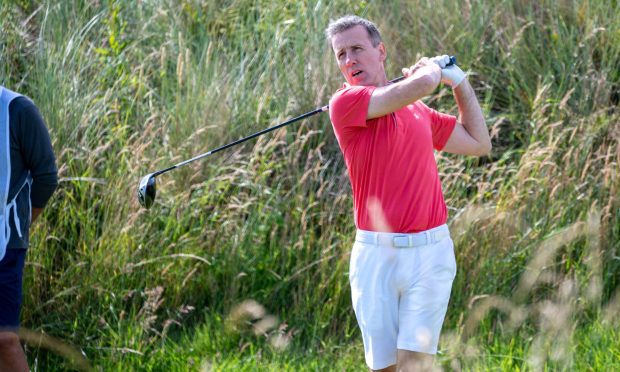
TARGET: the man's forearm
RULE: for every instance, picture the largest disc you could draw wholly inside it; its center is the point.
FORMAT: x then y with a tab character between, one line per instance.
420	81
390	98
470	114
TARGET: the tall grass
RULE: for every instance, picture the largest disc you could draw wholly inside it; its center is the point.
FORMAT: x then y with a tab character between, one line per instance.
129	87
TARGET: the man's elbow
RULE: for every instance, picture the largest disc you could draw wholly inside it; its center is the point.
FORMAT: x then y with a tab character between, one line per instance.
484	149
484	140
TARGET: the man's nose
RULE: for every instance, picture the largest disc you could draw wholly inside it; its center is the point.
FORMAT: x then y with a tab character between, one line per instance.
348	60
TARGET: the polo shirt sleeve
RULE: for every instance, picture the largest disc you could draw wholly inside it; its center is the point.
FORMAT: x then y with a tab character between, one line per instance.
442	126
348	109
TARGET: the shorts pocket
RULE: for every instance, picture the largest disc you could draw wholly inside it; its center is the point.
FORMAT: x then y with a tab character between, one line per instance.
439	264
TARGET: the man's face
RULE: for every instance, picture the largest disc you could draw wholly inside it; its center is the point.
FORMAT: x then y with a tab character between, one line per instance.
359	61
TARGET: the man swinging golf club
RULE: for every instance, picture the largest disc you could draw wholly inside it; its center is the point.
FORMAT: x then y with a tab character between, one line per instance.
402	263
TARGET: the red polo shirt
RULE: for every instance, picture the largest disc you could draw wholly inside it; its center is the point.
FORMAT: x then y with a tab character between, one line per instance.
391	162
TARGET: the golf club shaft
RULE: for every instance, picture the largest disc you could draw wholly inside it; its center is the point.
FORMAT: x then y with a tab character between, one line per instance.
300	117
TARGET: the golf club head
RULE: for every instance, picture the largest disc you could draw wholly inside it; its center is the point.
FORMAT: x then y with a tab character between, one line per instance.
146	191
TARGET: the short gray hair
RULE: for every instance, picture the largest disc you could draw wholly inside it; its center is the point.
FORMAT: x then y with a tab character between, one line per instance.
349	21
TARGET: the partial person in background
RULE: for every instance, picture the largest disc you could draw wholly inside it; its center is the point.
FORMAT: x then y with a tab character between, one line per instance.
402	263
28	178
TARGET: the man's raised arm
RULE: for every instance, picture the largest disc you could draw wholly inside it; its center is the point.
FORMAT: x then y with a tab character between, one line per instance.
470	135
420	80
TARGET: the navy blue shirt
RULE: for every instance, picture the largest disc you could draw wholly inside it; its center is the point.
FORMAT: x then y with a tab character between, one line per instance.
31	150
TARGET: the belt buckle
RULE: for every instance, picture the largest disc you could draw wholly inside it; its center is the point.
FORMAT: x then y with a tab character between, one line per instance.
400	241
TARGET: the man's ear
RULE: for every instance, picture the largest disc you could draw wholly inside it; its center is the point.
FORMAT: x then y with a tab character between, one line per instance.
382	52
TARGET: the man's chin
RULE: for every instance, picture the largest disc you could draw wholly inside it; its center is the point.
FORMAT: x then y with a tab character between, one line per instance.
359	83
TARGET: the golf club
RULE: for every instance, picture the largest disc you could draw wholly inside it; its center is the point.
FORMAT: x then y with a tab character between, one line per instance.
147	187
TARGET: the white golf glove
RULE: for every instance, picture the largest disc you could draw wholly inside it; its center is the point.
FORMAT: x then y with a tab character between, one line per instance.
450	75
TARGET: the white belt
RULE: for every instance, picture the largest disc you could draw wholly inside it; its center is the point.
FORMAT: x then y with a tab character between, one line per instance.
397	240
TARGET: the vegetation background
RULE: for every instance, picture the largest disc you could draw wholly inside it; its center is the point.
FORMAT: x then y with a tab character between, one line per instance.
242	262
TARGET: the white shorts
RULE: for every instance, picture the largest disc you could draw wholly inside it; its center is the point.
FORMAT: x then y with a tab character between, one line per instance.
400	286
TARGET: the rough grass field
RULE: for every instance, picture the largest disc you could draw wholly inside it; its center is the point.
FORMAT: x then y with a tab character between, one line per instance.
242	262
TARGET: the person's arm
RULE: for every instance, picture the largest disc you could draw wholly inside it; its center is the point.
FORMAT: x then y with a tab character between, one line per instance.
470	135
38	156
421	80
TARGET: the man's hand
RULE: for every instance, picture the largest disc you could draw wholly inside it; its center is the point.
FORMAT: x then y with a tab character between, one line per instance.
424	66
450	75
